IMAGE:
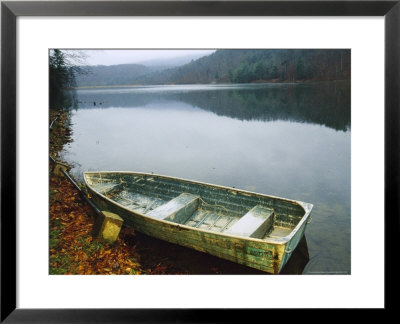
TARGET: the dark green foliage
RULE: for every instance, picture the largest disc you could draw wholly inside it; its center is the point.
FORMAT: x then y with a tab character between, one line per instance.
243	74
62	73
260	70
60	77
274	72
300	75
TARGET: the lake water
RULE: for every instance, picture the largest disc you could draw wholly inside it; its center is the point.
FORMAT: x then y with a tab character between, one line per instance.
287	140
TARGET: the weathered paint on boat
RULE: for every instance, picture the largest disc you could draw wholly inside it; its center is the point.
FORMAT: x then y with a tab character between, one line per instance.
252	229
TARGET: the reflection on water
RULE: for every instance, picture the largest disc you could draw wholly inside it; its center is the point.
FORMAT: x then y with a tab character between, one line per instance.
299	259
326	104
288	140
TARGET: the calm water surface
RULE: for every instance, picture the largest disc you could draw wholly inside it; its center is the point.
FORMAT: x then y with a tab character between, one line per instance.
287	140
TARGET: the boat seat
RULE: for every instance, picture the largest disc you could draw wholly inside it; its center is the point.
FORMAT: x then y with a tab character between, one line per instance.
253	224
177	210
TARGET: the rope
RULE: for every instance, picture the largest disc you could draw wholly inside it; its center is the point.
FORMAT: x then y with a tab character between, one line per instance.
81	192
51	124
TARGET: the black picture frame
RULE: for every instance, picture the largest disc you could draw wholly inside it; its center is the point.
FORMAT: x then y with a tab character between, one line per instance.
10	10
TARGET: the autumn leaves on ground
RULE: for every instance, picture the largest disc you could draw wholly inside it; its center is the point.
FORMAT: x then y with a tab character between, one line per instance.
72	248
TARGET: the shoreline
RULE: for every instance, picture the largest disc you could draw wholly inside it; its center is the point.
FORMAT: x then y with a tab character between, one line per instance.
199	84
72	248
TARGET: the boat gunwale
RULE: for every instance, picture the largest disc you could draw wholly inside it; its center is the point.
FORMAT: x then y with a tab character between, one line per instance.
307	207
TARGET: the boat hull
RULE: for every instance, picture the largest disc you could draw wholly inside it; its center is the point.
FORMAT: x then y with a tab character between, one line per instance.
266	255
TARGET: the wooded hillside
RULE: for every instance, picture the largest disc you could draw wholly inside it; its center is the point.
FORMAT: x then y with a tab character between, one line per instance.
232	66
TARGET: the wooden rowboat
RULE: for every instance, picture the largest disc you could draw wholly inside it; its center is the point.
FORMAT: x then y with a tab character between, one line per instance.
252	229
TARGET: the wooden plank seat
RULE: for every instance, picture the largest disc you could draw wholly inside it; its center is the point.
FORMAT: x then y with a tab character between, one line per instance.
177	210
254	224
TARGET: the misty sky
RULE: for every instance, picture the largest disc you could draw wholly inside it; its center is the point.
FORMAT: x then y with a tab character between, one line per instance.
111	57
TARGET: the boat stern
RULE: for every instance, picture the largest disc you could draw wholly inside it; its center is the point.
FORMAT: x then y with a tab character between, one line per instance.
290	242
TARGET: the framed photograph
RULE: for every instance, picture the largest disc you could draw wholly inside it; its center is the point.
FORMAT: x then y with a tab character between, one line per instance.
196	147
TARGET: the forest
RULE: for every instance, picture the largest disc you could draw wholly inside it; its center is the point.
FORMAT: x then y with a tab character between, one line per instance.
230	66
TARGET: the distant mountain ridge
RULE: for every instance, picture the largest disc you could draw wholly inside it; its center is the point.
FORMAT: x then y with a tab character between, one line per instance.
231	66
171	62
103	75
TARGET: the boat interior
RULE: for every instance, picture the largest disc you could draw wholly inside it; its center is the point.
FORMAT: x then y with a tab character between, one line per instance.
201	206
